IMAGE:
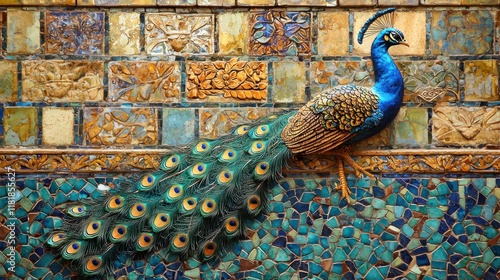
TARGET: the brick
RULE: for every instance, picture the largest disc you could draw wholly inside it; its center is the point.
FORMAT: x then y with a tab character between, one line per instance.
218	3
179	126
8	80
116	2
481	80
410	127
333	27
57	126
357	2
124	34
176	2
289	82
233	32
23	32
256	2
21	126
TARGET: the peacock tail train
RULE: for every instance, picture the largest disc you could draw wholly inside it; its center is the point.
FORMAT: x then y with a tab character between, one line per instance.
197	203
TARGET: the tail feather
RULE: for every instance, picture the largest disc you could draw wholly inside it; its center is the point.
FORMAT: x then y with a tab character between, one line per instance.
194	206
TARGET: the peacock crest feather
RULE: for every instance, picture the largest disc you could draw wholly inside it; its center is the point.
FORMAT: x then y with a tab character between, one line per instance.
379	21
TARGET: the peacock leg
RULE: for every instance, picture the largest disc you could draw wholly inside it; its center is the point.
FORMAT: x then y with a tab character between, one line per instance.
343	187
357	168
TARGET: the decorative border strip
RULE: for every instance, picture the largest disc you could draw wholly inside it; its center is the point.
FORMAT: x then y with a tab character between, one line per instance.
133	160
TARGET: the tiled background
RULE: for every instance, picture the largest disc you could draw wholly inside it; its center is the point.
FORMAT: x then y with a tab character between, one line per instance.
95	89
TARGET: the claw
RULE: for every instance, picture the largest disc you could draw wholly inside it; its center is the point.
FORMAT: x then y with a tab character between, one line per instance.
343	187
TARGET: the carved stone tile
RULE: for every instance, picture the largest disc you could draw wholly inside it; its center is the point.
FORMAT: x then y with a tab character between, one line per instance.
480	2
179	33
333	27
461	32
120	126
179	126
58	80
466	125
224	3
8	80
289	82
21	126
176	2
440	2
280	33
382	139
215	122
306	3
233	30
144	81
116	2
398	2
124	33
481	80
430	81
57	126
410	127
256	2
48	2
231	80
23	32
80	33
328	74
357	2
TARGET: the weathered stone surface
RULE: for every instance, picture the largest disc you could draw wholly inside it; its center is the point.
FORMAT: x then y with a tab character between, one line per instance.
57	126
116	2
233	32
357	2
179	126
481	80
48	2
479	2
124	33
144	81
440	2
333	33
255	2
304	3
8	80
23	32
225	3
215	122
398	2
411	127
176	2
289	82
20	126
168	33
382	139
58	80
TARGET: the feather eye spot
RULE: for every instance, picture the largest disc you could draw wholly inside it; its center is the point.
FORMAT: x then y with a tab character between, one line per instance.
114	203
261	130
56	238
253	203
145	241
180	241
228	155
202	147
77	211
170	162
92	229
93	264
208	207
261	168
257	147
198	169
209	249
73	248
138	210
119	233
225	176
147	182
242	129
174	193
160	222
232	225
189	204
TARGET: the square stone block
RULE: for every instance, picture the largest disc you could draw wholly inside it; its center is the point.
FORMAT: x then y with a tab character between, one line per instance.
20	126
430	81
222	81
256	2
116	2
8	80
398	2
124	34
79	33
176	2
481	80
179	126
469	126
120	126
357	2
49	2
233	30
412	24
224	3
168	33
23	32
289	82
333	27
215	122
144	81
57	126
461	32
62	80
280	33
410	127
479	2
440	2
302	2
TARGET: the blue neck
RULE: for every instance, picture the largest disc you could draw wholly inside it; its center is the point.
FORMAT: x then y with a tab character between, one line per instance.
388	80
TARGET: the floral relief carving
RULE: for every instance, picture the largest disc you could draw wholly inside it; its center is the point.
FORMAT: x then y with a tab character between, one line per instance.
120	126
334	73
240	80
144	81
280	33
58	80
74	33
175	33
218	122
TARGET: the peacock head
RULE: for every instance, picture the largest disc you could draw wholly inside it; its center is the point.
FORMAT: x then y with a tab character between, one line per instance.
393	37
382	23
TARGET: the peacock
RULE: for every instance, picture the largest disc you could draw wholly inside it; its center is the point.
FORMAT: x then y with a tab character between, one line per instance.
203	194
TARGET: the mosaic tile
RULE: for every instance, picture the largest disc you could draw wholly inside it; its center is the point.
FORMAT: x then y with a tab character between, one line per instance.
120	126
80	33
411	127
461	32
280	33
124	33
144	81
224	3
179	33
220	121
410	23
8	80
116	2
256	2
481	80
57	126
233	29
20	125
466	125
179	126
232	80
289	82
23	32
58	80
176	2
333	27
430	81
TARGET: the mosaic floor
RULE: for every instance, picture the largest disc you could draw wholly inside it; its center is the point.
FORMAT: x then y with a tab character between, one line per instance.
400	228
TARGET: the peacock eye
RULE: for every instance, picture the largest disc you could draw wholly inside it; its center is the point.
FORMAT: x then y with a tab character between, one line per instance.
395	37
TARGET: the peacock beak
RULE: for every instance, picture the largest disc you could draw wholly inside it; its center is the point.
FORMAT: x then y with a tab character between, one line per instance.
404	43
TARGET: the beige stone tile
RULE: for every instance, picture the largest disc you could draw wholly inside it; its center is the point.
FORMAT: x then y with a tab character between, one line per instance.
49	2
440	2
289	82
481	80
412	24
11	2
23	32
357	2
410	127
256	2
233	32
176	2
333	33
116	2
21	126
216	122
398	2
124	33
301	2
480	2
225	3
8	80
57	126
59	80
222	81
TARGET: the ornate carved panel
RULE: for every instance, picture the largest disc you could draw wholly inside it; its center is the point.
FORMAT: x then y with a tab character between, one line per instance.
219	121
327	74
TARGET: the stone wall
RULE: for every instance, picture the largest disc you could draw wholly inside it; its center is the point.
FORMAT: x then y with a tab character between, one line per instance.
91	90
